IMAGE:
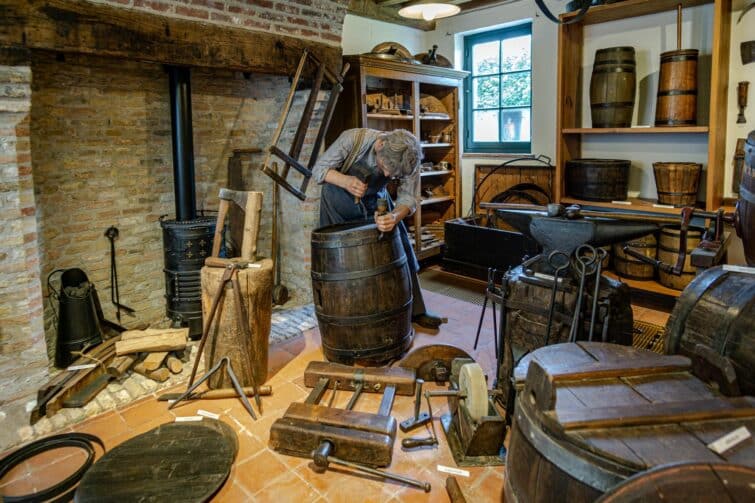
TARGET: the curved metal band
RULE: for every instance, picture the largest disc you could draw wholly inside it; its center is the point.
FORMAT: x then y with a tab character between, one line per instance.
349	321
366	273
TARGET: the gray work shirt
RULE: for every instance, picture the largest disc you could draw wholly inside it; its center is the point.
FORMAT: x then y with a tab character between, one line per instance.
336	154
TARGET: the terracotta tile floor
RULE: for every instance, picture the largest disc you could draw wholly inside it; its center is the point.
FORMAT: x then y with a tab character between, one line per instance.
260	474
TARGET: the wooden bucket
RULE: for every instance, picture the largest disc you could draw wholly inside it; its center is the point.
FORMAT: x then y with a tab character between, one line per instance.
685	482
248	357
590	415
746	204
717	310
597	179
676	104
362	293
627	266
677	182
612	87
668	252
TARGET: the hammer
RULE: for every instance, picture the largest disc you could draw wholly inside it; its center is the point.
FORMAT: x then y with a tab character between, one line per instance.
361	171
251	204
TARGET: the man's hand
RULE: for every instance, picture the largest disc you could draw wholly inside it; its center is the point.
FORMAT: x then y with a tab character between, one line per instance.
354	186
386	223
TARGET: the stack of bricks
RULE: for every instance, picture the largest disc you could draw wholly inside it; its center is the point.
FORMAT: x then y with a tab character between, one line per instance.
311	19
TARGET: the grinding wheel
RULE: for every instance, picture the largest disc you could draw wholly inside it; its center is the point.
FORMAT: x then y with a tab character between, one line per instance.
472	383
185	462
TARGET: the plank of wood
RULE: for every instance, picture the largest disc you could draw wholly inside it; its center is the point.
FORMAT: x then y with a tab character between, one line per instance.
120	365
153	360
707	432
656	413
104	30
375	379
149	332
167	342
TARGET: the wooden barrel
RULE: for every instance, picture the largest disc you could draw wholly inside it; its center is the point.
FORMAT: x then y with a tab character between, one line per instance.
612	87
745	212
627	266
676	104
668	252
685	482
590	415
717	310
677	182
597	179
362	293
226	338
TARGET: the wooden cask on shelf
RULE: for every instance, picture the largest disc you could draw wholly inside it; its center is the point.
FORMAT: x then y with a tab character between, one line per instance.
597	179
746	202
676	103
612	87
362	293
627	266
590	415
677	182
668	252
717	310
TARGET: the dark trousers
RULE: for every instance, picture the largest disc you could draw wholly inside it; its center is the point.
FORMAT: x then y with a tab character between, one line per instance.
337	207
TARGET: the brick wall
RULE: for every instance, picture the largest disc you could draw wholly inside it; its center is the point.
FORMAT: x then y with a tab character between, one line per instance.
310	19
23	365
101	137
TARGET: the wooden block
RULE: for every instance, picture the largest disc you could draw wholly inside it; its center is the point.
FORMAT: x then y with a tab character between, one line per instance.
164	342
174	364
154	360
120	365
375	379
160	375
136	334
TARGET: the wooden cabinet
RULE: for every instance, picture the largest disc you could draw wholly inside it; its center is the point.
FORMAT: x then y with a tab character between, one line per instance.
572	126
571	131
386	95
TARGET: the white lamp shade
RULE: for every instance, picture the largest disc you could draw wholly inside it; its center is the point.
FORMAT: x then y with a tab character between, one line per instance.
429	11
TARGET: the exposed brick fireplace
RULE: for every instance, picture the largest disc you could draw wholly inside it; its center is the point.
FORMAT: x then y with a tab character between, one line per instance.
85	144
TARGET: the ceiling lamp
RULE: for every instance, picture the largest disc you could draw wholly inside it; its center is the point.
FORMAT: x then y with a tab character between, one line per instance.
428	10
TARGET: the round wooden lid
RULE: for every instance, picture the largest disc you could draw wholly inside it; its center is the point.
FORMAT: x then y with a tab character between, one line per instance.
173	462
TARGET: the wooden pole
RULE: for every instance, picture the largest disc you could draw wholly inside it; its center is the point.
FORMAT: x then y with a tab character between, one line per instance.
679	27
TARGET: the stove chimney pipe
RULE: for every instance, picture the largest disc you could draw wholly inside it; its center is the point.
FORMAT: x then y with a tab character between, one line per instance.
183	143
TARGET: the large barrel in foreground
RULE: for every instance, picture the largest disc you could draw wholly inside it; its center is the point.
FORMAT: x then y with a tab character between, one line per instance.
746	203
362	293
590	415
717	310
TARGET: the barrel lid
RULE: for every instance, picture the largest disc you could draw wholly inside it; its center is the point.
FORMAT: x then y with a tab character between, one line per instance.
612	49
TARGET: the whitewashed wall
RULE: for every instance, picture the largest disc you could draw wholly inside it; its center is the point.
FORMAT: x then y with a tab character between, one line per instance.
361	35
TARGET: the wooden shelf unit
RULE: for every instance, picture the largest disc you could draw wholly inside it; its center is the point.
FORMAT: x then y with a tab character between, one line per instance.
569	131
416	89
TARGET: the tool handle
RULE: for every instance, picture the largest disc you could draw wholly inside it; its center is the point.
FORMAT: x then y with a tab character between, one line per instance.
414	442
218	238
454	491
679	27
251	226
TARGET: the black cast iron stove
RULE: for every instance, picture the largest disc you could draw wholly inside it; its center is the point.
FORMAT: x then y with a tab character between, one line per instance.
187	240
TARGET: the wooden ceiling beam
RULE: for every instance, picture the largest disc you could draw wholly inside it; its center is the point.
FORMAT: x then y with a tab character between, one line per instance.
388	14
70	26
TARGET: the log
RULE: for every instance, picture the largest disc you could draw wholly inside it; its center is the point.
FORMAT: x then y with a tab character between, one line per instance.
153	360
120	365
168	342
160	375
226	336
129	335
174	364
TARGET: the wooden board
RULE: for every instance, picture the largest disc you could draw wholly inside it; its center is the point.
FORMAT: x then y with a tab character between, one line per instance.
375	379
184	462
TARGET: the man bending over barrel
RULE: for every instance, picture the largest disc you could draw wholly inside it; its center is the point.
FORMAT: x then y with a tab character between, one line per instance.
354	172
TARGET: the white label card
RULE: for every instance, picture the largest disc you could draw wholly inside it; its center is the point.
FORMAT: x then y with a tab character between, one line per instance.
729	440
81	367
453	471
188	419
207	414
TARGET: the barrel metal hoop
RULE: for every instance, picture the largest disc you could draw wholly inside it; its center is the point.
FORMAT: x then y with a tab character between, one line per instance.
598	477
671	193
613	104
366	273
675	122
678	92
349	321
345	242
617	69
369	352
678	57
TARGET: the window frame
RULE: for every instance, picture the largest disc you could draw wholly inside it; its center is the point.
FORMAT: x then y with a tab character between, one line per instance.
504	147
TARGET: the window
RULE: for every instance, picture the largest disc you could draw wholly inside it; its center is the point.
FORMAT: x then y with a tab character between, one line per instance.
498	91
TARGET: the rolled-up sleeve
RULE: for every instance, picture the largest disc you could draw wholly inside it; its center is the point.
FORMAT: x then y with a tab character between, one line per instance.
335	155
406	193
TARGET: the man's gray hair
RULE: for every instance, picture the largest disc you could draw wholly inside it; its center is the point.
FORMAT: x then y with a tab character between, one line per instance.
401	152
